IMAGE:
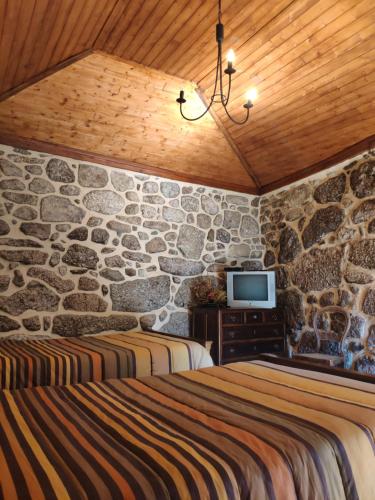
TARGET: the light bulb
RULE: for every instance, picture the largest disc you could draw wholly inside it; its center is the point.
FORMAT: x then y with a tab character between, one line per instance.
230	56
252	94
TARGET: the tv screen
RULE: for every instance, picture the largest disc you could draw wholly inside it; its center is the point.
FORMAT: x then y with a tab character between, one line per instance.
251	287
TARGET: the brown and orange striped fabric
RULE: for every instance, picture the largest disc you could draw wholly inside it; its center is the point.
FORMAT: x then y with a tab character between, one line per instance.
31	363
242	431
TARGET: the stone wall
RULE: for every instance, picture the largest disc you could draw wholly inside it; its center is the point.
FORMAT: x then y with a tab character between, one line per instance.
320	238
85	248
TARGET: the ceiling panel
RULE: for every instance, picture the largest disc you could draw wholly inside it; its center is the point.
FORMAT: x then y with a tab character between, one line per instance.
311	60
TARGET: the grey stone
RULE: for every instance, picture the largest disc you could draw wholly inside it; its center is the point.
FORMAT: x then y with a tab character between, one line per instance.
371	227
188	292
294	214
41	186
147	321
218	220
324	221
211	235
85	302
80	256
95	221
368	306
141	295
318	269
80	234
54	259
362	253
13	242
252	265
34	169
32	324
137	257
59	171
327	299
114	261
282	278
18	279
156	245
190	241
130	272
25	213
209	205
88	284
46	323
104	201
100	236
121	181
249	227
290	245
190	203
131	242
35	296
119	227
223	235
132	209
70	190
364	212
58	209
4	228
180	267
8	168
13	184
20	198
178	324
150	187
111	274
241	250
231	219
190	219
8	324
26	257
132	196
269	258
203	221
148	211
362	179
52	279
237	200
37	230
292	302
354	275
73	325
173	214
331	190
154	199
92	176
4	282
169	189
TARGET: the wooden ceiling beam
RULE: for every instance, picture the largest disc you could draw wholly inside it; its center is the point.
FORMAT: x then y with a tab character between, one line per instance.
78	154
355	149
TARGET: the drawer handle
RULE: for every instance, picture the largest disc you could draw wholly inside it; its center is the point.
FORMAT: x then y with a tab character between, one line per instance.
232	350
255	316
231	334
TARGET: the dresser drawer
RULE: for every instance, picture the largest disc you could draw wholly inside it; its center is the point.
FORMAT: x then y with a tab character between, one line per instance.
232	351
274	315
232	317
253	317
252	331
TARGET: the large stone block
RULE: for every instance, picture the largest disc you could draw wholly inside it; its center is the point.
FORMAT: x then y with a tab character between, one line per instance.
80	256
141	295
58	209
26	257
35	296
85	302
104	202
362	179
8	324
249	227
180	267
37	230
121	181
324	221
331	190
364	212
318	269
190	241
362	253
92	176
10	169
292	302
59	171
290	246
51	278
73	325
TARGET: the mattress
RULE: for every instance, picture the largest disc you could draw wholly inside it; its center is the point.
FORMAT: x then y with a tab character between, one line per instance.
244	431
64	361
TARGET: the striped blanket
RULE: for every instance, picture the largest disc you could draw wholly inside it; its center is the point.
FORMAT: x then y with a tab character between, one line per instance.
30	363
244	431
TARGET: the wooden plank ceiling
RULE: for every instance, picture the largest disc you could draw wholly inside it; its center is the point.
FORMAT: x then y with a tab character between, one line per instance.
312	61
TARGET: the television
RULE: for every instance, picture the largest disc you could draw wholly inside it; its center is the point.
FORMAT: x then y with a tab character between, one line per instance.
251	289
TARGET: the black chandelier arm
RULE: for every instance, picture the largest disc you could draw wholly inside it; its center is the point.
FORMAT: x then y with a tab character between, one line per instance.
236	121
198	117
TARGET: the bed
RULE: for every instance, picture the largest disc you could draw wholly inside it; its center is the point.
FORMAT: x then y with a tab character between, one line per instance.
62	361
254	430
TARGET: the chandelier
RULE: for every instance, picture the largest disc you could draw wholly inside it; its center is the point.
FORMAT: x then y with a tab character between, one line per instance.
218	95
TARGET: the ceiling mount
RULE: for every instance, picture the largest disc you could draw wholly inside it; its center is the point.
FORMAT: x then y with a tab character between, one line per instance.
218	94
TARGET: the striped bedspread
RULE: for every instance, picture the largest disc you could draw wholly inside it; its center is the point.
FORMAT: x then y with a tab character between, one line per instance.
30	363
244	431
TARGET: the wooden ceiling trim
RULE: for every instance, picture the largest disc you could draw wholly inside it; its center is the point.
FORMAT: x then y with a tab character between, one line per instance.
343	155
319	56
44	74
77	154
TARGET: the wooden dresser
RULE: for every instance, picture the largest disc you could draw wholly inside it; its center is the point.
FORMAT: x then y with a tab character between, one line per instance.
239	334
